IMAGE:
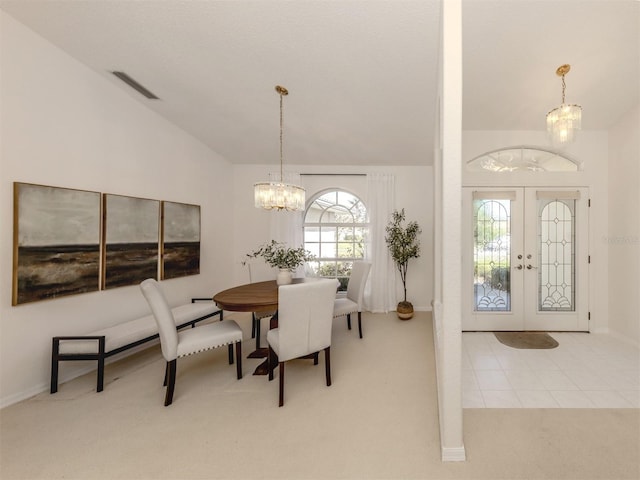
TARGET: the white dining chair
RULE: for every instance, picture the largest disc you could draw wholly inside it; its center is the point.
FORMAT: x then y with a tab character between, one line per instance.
354	300
305	317
190	341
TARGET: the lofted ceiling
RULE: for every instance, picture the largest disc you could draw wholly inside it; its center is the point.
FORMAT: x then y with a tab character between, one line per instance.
362	74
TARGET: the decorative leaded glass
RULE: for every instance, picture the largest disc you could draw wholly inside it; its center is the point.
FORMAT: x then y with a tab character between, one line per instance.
556	275
492	255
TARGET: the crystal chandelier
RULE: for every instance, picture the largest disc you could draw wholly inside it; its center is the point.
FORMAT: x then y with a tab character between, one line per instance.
562	122
280	193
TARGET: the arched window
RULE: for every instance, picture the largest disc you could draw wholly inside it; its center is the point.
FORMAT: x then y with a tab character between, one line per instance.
521	159
335	230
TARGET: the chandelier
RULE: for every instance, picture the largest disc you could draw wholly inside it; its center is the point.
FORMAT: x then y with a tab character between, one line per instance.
280	192
562	122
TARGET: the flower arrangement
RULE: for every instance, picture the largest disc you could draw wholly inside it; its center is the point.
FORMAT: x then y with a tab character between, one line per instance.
278	255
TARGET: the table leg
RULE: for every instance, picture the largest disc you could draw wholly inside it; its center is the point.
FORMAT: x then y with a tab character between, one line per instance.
259	352
263	368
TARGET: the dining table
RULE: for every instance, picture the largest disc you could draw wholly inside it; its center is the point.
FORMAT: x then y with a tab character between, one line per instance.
258	297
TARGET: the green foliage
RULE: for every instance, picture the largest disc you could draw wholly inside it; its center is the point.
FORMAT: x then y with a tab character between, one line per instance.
278	255
403	243
342	273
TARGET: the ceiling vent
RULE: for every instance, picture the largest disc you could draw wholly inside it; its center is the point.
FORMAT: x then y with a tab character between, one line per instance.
135	85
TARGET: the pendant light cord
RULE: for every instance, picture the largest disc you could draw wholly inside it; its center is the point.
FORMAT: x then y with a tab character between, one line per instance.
281	117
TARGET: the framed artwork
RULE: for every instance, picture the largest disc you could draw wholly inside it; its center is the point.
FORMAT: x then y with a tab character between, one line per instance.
131	238
56	242
180	240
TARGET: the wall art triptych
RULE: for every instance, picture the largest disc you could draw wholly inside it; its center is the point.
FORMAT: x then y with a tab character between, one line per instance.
68	241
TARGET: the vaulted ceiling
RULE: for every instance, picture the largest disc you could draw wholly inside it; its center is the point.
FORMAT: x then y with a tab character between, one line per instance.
361	74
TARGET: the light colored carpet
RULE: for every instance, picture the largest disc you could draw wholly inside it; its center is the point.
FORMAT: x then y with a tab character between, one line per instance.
377	421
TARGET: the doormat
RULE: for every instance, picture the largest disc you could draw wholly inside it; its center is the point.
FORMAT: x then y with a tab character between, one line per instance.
526	339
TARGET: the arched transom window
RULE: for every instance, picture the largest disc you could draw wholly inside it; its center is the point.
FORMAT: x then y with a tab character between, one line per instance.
521	159
335	230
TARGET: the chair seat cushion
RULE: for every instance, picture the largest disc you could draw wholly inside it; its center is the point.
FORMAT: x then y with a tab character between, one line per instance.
205	337
344	306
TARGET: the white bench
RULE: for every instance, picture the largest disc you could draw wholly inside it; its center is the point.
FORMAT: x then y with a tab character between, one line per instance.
102	344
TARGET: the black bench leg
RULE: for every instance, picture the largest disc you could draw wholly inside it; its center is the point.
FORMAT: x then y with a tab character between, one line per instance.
54	365
101	344
239	361
100	386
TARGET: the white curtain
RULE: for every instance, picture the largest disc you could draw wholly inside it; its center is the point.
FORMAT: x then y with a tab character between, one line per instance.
286	227
380	292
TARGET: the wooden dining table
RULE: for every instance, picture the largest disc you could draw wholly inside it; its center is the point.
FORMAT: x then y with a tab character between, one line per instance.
259	297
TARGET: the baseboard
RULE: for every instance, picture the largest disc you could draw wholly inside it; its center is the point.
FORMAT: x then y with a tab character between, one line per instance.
453	454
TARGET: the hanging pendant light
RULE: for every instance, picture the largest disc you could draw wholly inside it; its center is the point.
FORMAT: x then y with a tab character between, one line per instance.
281	191
562	122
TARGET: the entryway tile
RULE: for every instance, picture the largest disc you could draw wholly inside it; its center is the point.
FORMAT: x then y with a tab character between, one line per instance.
536	399
572	399
501	399
607	399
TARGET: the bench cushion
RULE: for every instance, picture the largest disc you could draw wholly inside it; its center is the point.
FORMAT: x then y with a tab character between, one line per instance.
125	333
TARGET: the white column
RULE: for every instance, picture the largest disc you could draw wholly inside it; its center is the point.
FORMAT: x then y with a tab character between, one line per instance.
450	326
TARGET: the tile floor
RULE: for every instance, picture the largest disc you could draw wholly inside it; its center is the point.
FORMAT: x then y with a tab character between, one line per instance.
584	371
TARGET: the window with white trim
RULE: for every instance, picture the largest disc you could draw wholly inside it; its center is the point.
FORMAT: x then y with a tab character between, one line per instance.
336	229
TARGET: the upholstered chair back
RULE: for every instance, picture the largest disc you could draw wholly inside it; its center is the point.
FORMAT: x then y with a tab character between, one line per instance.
305	315
164	318
357	281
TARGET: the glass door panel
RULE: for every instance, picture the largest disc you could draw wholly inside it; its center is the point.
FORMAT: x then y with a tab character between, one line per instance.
491	255
525	259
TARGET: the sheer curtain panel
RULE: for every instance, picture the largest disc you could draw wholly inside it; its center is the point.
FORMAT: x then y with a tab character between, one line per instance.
380	293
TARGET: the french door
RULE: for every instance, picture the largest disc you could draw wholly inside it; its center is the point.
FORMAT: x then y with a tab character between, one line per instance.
525	259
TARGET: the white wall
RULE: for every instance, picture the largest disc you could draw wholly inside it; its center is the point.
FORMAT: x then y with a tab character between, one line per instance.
64	125
591	149
414	193
623	236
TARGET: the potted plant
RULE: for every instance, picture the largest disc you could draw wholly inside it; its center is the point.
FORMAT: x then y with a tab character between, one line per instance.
404	244
287	259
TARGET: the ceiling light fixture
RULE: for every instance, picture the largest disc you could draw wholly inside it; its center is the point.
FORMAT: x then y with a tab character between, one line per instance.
280	192
562	122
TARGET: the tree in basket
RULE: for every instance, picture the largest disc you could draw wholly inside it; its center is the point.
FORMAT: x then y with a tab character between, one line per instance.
287	259
404	244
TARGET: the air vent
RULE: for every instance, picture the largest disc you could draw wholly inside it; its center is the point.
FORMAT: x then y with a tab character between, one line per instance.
135	85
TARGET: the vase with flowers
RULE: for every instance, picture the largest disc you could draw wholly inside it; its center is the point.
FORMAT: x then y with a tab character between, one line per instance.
286	259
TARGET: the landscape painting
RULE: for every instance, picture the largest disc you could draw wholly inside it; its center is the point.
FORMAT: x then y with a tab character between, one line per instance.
56	243
131	238
180	240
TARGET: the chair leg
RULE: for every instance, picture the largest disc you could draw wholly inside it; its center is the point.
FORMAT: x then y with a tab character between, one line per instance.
281	384
349	321
239	361
231	354
360	323
166	374
271	365
171	383
315	358
327	365
253	325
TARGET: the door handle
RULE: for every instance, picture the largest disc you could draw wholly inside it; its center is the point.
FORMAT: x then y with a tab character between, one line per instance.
529	267
519	267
